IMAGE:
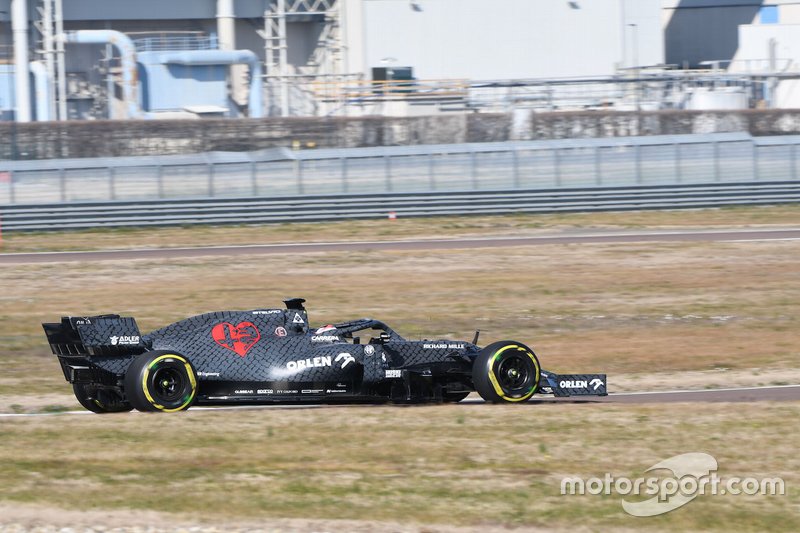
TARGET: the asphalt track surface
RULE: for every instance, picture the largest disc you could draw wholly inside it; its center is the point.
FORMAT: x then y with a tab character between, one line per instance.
782	393
405	245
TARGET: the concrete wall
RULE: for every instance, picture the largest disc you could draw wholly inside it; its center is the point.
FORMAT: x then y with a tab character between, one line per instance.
504	39
755	43
157	137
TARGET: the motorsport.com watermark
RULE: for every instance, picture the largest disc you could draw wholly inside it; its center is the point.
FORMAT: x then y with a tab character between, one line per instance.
693	474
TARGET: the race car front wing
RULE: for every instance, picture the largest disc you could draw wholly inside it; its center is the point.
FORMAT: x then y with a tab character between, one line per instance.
573	384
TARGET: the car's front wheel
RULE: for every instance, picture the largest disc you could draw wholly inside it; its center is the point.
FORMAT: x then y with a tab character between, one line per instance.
506	371
161	381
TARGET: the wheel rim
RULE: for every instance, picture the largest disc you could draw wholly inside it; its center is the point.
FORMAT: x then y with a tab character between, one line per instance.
515	373
168	384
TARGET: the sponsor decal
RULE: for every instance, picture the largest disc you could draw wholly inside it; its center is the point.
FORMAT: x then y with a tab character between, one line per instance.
280	331
267	312
595	384
369	349
345	358
239	338
394	373
323	329
264	391
443	346
314	362
208	374
324	338
335	391
243	391
124	340
286	391
83	321
311	391
298	319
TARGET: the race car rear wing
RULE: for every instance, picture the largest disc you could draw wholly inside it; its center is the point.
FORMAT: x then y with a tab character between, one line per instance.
103	335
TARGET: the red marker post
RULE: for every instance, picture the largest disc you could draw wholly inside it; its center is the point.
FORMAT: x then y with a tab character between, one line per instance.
392	215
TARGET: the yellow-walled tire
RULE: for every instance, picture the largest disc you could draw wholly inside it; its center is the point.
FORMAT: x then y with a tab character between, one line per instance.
506	371
161	381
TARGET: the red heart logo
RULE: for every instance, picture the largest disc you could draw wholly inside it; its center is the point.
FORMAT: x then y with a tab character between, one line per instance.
239	338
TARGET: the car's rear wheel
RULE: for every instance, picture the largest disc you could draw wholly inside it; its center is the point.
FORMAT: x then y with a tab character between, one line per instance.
98	400
161	381
506	371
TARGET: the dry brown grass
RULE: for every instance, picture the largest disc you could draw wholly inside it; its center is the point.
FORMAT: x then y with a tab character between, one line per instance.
649	310
654	308
475	465
772	216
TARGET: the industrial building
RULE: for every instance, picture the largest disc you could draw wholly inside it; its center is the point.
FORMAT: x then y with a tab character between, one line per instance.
114	59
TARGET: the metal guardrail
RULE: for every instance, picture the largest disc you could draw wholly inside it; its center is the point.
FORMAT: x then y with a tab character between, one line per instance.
365	206
568	164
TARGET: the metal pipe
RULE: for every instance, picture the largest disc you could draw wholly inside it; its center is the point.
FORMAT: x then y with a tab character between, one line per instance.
127	53
284	57
226	25
61	60
22	87
49	56
42	85
224	57
226	32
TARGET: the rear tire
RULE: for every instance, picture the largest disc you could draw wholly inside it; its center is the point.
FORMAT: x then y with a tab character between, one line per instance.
506	371
161	381
99	401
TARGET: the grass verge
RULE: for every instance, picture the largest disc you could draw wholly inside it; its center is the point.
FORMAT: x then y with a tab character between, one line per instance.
471	465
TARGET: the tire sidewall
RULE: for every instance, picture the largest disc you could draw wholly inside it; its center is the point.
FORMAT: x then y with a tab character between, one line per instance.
486	381
140	387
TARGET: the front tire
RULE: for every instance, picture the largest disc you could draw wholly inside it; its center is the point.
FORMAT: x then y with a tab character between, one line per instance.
506	371
161	381
99	401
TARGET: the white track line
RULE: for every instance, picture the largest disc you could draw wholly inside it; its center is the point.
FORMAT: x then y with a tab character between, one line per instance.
314	406
765	240
682	391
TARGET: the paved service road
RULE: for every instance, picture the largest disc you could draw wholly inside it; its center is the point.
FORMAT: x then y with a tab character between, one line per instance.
402	245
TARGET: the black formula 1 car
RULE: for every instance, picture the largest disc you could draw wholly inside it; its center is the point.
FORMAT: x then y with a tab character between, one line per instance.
272	355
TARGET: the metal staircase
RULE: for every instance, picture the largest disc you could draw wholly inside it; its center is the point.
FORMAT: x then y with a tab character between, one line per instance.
326	59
